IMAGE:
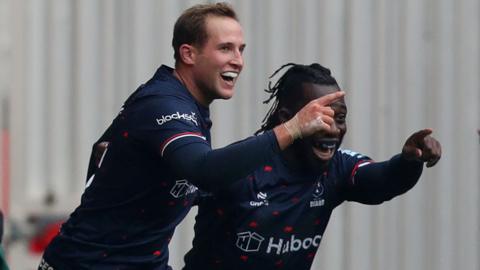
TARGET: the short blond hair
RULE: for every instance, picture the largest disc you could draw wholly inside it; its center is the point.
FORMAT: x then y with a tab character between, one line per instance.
190	27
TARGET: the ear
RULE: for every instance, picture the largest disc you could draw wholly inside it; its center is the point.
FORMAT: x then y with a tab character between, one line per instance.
284	115
187	54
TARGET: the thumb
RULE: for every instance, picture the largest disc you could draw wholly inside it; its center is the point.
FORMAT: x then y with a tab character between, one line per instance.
411	152
418	153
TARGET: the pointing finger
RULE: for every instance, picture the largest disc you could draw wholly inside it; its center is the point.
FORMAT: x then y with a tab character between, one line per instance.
419	135
330	98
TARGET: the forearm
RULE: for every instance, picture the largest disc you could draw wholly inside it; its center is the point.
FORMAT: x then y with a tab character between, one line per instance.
379	182
402	175
212	169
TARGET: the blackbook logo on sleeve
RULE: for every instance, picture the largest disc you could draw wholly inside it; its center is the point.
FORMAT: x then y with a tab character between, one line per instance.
177	116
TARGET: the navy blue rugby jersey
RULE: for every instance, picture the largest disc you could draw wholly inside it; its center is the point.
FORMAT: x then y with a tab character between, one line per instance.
133	200
274	219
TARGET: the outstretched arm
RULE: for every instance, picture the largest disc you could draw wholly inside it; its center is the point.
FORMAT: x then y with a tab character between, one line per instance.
211	169
375	183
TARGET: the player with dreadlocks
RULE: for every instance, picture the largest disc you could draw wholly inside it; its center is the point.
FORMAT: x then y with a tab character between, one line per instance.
292	78
276	217
158	151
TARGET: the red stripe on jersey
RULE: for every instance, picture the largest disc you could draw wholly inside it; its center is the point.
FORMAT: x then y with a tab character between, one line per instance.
355	169
179	136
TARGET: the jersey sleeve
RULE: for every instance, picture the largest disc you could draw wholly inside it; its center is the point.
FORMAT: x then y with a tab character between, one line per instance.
173	128
348	163
370	182
213	170
166	123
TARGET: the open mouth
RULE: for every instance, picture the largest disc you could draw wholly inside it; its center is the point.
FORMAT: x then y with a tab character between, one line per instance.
229	76
325	148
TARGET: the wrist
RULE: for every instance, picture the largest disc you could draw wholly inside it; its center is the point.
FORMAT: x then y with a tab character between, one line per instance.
293	128
284	139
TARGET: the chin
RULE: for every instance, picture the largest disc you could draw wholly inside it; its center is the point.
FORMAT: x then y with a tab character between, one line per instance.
323	155
225	94
316	162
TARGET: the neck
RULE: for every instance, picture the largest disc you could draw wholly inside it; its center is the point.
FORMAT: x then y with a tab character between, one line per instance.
186	80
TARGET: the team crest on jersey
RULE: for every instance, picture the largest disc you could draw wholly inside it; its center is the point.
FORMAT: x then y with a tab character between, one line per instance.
317	195
182	188
261	200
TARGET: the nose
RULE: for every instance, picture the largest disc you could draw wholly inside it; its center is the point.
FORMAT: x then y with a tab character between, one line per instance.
237	60
333	130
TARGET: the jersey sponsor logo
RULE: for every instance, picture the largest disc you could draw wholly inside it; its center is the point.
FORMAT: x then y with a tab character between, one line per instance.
317	196
182	188
249	242
177	116
350	153
261	200
252	242
282	246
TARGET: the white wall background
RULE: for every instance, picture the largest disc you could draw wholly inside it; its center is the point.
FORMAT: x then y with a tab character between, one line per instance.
66	67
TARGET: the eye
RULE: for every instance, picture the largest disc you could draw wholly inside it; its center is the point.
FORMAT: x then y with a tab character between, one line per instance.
340	118
242	48
224	48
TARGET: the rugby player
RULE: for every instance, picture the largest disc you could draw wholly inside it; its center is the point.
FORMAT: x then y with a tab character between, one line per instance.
159	151
275	217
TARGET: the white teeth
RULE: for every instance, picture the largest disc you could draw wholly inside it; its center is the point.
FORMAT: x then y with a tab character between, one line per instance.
328	146
230	74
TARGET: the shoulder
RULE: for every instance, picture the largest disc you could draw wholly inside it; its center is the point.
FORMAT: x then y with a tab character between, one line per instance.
346	160
349	154
162	85
161	97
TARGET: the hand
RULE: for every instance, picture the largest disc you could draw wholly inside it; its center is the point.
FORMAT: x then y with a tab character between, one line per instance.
313	117
422	147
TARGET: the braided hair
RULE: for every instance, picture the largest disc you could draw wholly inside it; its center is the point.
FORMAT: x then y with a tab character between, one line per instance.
289	83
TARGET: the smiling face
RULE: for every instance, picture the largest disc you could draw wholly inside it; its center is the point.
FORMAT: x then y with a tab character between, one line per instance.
219	61
319	148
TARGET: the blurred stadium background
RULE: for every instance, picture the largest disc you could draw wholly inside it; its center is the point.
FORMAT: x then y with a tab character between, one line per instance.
66	66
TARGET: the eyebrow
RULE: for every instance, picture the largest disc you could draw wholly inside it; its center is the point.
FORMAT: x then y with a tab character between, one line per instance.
340	105
231	44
